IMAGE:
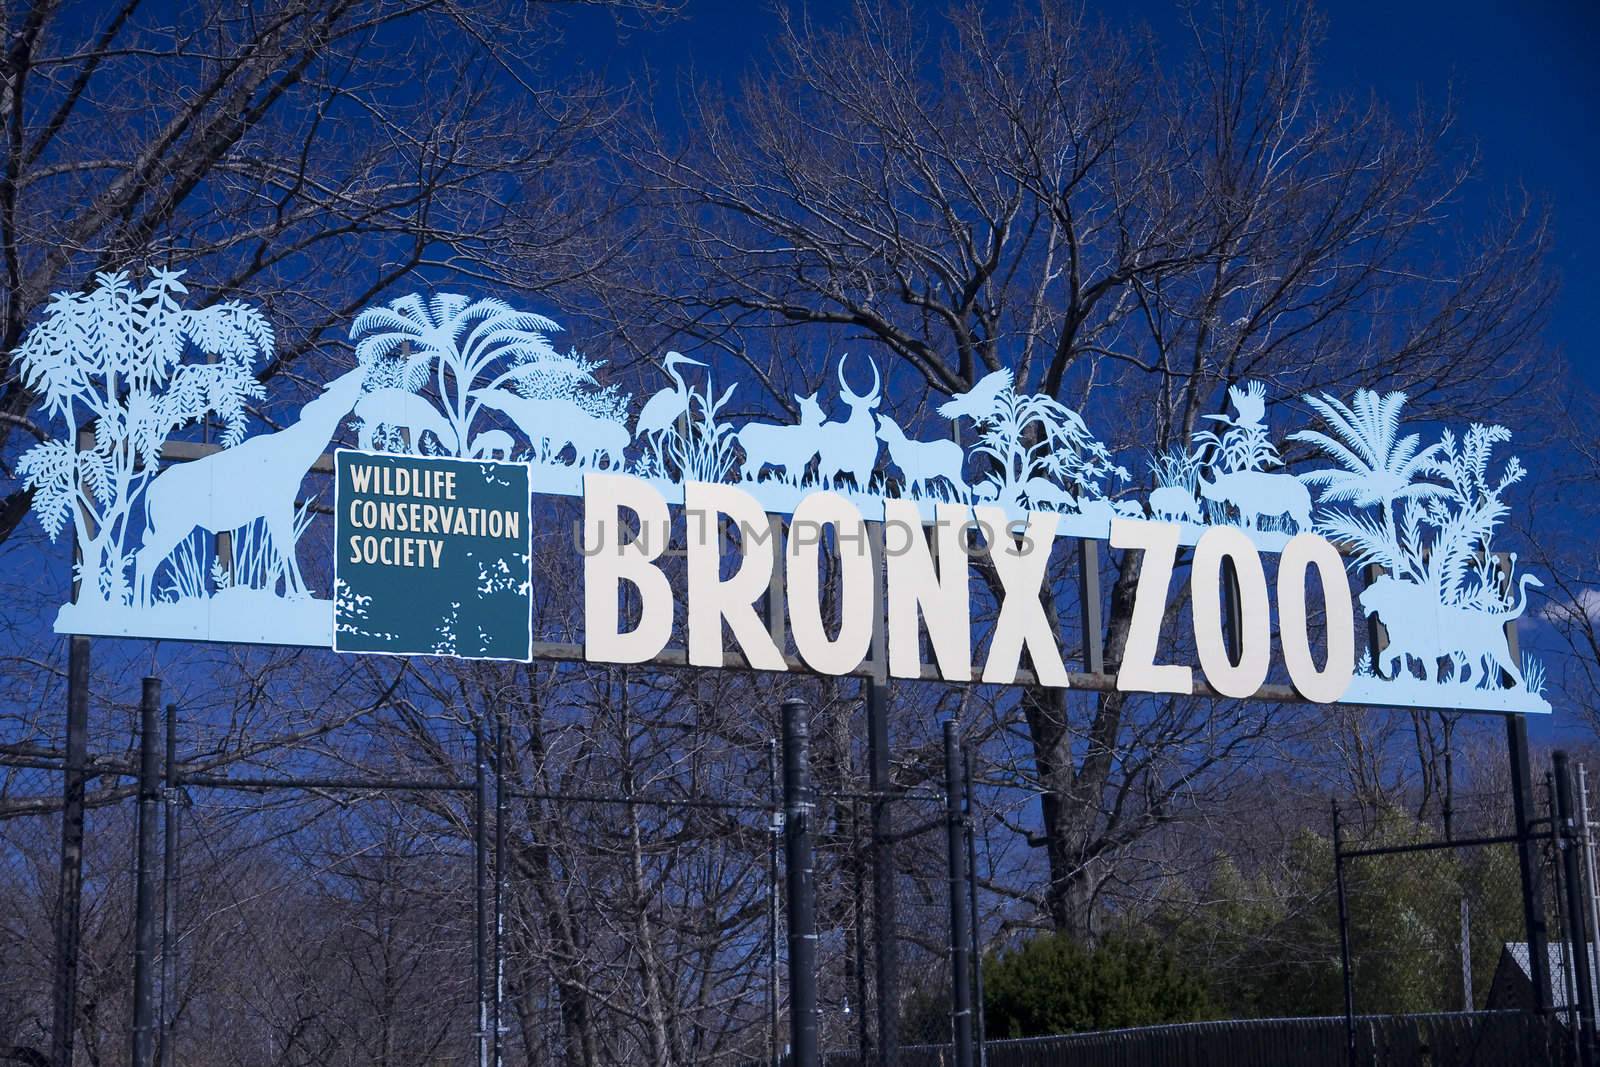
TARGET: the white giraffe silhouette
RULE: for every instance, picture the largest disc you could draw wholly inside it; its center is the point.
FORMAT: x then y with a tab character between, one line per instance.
256	479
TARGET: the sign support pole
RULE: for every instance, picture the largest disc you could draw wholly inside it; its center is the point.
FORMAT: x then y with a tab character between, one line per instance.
960	933
1577	919
798	803
69	888
1528	862
774	847
144	911
980	1038
885	919
171	813
1344	940
480	813
885	912
501	727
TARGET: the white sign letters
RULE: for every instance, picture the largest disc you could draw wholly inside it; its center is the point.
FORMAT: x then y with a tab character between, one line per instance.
927	567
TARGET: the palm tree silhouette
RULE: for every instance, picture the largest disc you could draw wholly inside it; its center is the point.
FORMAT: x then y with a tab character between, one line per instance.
458	339
1379	467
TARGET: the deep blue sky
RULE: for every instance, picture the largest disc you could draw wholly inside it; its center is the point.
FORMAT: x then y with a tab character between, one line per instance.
1523	79
1519	73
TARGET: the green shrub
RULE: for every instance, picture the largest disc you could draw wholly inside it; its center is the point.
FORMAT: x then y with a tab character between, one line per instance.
1055	985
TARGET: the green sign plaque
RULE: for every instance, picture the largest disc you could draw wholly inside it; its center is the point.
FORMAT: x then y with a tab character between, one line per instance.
431	556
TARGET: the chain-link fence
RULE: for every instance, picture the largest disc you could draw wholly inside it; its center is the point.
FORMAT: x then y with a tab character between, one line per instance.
1459	908
1427	925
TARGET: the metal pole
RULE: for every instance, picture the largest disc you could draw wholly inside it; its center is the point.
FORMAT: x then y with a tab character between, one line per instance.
1588	851
500	727
172	811
858	933
69	887
885	918
480	943
1344	940
1528	861
1572	876
775	1044
798	803
144	902
1569	991
960	931
1464	905
1094	661
979	1037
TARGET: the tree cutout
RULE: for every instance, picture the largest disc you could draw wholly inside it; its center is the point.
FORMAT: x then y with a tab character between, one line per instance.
455	342
1041	449
1378	467
1445	597
113	360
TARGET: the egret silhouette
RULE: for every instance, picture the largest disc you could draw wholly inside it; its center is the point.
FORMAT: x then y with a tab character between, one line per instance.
663	409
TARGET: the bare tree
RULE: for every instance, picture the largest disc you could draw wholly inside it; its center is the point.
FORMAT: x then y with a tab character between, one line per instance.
983	189
303	154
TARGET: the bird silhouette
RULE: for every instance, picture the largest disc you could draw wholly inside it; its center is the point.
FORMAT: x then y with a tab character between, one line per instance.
664	408
1250	402
978	401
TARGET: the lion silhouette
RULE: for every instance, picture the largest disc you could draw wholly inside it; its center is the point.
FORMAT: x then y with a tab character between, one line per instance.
1427	631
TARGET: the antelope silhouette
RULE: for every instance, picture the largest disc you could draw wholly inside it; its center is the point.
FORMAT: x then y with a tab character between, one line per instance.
559	422
922	463
400	410
850	447
789	448
255	479
1043	493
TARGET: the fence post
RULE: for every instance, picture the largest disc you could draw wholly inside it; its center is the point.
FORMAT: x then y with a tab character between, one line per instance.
798	804
960	934
172	812
885	918
775	1045
979	1036
502	725
481	903
69	889
1528	861
144	912
1344	940
1577	918
1587	840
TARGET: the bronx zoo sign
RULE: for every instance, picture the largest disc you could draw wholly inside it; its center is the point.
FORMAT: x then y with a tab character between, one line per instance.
1384	581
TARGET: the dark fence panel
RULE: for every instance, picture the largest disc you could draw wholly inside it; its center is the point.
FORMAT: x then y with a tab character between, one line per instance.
1453	1039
